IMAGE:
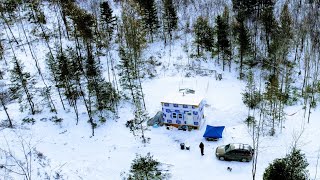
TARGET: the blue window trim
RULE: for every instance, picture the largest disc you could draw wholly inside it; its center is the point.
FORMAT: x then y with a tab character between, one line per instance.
175	105
166	104
178	122
185	106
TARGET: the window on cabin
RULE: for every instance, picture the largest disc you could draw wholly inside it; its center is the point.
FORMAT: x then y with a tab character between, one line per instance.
175	105
174	115
180	116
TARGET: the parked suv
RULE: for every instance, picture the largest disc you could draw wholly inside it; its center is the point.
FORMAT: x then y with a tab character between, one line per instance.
235	152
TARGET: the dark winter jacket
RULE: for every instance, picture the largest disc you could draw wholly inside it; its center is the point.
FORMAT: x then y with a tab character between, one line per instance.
201	146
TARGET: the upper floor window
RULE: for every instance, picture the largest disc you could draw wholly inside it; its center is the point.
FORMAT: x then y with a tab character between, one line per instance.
174	115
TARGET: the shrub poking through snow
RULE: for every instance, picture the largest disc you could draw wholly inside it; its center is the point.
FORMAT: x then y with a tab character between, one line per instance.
56	120
291	167
28	120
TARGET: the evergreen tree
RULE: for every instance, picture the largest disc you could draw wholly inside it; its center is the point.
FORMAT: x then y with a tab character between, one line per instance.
223	42
243	39
273	96
145	168
286	26
22	83
204	35
9	6
52	64
270	26
107	19
132	43
251	96
67	74
246	8
170	18
108	22
149	16
127	68
89	66
291	167
251	8
104	94
285	41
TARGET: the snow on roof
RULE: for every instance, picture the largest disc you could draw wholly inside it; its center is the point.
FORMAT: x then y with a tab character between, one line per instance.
183	98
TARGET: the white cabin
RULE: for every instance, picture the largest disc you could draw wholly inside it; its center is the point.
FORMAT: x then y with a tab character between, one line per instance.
183	109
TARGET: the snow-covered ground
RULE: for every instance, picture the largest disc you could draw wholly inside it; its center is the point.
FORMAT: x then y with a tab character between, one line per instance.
111	151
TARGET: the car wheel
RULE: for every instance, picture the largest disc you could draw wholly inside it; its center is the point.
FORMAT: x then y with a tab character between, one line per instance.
221	158
244	160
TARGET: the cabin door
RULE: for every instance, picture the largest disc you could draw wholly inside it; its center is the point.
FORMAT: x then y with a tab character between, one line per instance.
188	118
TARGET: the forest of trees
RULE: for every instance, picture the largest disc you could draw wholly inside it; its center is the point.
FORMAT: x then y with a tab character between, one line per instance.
270	51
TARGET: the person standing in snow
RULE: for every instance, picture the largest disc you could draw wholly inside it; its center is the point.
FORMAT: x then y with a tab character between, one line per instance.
201	146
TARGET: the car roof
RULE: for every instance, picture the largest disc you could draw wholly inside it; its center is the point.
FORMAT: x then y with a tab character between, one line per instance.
240	146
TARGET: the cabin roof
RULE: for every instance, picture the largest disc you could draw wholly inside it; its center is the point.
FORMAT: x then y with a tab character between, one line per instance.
183	98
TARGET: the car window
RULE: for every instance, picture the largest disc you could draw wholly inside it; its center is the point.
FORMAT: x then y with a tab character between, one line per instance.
226	148
246	146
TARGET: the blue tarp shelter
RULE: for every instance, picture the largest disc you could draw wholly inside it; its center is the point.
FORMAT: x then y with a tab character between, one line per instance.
213	131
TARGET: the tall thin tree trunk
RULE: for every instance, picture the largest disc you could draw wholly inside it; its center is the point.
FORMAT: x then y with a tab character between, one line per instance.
8	26
87	102
29	97
47	94
241	61
5	109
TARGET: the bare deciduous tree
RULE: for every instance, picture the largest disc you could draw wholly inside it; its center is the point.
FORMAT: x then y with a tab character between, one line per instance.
22	159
